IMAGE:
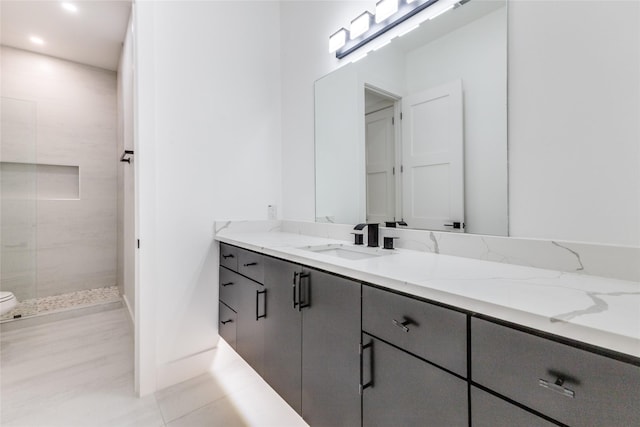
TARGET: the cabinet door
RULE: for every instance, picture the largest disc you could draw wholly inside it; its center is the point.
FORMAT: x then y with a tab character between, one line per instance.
250	325
283	331
330	350
406	391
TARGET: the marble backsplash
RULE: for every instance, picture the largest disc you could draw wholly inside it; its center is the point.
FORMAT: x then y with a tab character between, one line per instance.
618	262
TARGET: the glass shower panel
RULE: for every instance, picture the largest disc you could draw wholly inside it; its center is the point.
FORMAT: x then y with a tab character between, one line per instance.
18	197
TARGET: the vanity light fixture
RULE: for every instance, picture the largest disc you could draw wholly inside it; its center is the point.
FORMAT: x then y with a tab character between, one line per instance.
337	40
385	8
69	7
36	40
389	13
360	25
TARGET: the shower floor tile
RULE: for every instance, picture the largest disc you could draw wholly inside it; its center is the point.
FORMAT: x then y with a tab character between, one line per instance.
35	306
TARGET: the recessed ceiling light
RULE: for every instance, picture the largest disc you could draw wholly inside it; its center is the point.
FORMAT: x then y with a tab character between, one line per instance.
69	7
36	40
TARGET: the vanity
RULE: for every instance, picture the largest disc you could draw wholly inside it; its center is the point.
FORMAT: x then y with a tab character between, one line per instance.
408	338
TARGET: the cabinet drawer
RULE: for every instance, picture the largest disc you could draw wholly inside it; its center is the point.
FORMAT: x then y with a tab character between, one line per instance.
229	287
227	324
229	256
591	390
434	333
251	264
491	411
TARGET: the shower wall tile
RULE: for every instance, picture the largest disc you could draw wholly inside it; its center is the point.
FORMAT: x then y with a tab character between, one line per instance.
76	110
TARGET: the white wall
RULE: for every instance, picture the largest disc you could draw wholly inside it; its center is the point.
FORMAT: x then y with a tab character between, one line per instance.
573	107
75	125
208	112
574	104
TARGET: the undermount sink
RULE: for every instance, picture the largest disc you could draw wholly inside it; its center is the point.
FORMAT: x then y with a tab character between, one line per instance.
346	251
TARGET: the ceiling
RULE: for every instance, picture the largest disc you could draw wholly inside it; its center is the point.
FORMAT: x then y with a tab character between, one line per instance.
93	35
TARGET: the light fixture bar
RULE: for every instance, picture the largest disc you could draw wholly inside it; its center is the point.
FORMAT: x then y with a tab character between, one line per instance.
405	11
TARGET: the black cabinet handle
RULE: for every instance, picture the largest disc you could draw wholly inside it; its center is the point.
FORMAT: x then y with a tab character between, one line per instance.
264	308
227	284
250	264
295	285
307	303
224	322
363	385
228	256
402	325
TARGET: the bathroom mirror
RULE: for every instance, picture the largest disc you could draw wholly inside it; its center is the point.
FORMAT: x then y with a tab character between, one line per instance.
417	130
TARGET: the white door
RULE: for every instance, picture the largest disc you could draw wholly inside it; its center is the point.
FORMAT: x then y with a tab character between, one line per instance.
433	158
380	159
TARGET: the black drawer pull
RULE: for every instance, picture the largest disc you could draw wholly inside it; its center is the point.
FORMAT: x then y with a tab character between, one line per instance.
227	284
228	256
250	264
403	325
224	322
557	387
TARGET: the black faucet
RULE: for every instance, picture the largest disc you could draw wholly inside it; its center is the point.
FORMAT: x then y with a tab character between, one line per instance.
372	233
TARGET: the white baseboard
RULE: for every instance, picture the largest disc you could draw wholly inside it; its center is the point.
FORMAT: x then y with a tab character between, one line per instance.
183	369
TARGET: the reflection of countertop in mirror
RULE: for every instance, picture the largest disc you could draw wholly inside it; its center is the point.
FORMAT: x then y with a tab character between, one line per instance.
595	310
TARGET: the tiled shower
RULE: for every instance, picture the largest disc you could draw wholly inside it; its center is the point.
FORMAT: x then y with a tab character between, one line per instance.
58	165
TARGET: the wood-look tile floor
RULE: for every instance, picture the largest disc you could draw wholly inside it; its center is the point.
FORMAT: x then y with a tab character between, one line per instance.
79	372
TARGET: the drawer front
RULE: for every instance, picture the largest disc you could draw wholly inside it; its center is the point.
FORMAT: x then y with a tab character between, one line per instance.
591	390
227	324
434	333
229	256
229	287
251	264
491	411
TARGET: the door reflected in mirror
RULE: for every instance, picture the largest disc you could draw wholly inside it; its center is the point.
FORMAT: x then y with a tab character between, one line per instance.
417	131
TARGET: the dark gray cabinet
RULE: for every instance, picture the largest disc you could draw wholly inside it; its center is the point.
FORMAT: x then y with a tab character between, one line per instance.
344	354
283	332
330	349
570	385
434	333
402	390
312	333
250	322
242	303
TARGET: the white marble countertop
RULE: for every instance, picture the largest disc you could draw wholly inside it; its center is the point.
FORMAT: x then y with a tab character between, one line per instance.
595	310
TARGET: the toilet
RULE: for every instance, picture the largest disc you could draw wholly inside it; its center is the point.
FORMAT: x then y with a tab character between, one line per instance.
7	302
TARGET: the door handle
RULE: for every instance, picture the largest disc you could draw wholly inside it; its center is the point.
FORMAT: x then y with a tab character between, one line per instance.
224	322
227	284
249	264
227	256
